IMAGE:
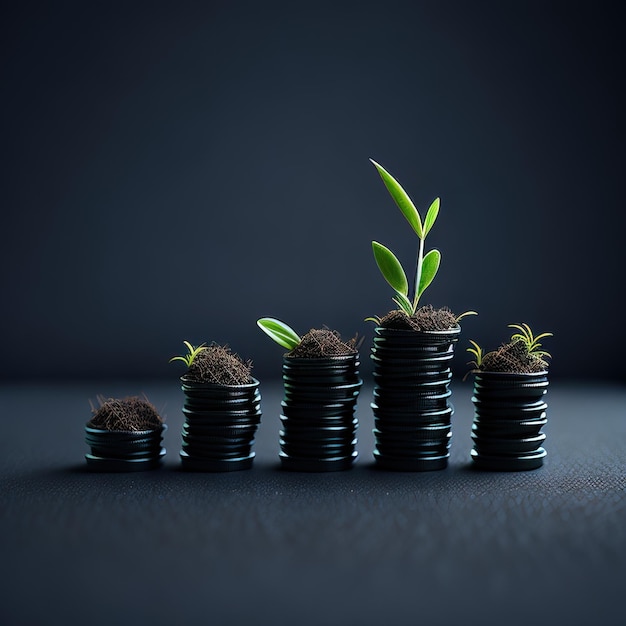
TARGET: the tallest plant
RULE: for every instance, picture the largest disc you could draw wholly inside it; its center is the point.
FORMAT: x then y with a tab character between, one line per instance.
426	265
413	349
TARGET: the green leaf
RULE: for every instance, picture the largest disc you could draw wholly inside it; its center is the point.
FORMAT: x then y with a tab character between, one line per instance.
477	351
401	198
525	335
390	268
282	334
431	216
430	265
374	319
193	352
404	303
460	317
179	358
543	335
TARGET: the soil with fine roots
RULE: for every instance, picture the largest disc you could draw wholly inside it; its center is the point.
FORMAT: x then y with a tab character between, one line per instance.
128	414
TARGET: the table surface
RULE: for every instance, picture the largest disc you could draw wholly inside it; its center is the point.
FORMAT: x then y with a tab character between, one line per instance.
363	546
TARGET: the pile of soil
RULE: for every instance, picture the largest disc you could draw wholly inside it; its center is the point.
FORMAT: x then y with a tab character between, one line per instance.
513	357
425	318
323	342
130	414
218	365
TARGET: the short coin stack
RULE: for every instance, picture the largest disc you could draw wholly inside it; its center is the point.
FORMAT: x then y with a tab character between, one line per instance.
220	424
319	426
509	413
124	450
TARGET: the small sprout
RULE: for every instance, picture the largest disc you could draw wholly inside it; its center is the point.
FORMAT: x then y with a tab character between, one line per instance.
521	354
280	332
189	358
530	341
477	351
218	365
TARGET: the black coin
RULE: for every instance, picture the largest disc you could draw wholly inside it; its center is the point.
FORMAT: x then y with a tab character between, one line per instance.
320	444
312	422
422	433
335	377
318	432
101	435
227	408
216	441
511	407
100	464
497	446
508	428
527	393
113	453
215	454
402	464
501	463
199	464
232	432
304	437
123	443
322	364
509	380
413	451
223	420
297	464
388	363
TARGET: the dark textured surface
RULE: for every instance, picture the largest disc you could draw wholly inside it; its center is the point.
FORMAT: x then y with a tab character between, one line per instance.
267	546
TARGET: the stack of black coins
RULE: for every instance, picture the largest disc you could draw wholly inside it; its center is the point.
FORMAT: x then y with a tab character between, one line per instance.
220	424
318	413
412	412
509	413
124	450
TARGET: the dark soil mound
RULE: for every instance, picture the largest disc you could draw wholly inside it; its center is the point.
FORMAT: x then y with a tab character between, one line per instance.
217	364
513	357
323	342
425	318
130	413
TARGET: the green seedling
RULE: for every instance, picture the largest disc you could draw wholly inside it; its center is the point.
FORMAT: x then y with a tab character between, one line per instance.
525	336
193	352
530	341
477	351
390	267
280	332
427	264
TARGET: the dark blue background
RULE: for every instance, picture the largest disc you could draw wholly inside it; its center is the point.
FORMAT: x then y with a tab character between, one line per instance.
177	172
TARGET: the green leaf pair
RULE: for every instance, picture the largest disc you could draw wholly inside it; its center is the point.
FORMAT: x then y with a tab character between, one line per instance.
394	274
528	338
405	204
388	264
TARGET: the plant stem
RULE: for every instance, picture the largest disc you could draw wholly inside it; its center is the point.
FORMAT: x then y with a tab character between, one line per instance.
418	273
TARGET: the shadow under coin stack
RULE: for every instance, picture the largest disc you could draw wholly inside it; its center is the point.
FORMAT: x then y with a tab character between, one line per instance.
318	413
509	413
220	424
412	413
124	451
